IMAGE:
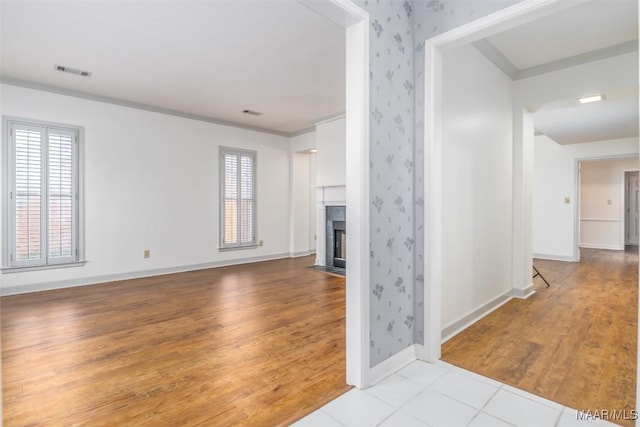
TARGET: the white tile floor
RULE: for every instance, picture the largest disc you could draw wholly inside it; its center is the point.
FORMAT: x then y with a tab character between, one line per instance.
442	395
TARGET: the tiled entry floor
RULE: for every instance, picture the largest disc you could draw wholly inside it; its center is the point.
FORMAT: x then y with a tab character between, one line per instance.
444	395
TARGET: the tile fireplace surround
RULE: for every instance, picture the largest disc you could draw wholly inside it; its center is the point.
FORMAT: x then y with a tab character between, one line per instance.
326	196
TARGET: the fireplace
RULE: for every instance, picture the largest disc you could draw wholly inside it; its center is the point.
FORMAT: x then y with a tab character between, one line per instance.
336	247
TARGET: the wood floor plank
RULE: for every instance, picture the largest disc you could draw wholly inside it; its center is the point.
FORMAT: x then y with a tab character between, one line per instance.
259	344
574	342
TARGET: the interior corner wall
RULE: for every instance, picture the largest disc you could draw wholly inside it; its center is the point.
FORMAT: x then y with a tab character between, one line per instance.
312	202
151	182
602	199
331	141
303	194
477	135
554	180
301	221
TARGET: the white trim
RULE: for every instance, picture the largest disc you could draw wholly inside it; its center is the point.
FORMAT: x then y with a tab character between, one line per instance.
330	119
11	270
9	81
474	315
8	209
393	364
576	196
518	14
95	280
584	58
355	20
334	195
357	195
301	253
238	153
524	293
602	246
433	204
554	257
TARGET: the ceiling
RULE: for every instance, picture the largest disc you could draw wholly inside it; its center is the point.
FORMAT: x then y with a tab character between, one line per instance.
585	32
214	59
211	59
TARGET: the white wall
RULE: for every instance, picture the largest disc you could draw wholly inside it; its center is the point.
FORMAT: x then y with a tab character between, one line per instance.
602	201
303	194
332	153
555	177
313	160
151	182
477	188
303	204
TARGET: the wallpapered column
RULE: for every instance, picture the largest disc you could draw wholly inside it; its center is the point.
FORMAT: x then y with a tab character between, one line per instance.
391	155
398	31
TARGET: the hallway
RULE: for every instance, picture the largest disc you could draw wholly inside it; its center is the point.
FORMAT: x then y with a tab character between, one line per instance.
574	343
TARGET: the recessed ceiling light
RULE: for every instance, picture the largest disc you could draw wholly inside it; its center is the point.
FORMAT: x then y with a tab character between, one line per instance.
253	113
313	150
72	71
588	99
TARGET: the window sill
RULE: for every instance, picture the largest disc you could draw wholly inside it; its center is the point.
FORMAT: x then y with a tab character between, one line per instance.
6	270
238	248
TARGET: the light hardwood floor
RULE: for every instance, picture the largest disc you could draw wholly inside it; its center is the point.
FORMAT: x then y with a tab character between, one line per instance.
574	343
257	345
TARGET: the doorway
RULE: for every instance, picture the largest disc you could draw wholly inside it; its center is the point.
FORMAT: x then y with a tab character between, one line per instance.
355	21
607	202
523	132
632	211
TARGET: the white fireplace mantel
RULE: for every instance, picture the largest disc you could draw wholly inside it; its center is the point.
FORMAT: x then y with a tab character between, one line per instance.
326	196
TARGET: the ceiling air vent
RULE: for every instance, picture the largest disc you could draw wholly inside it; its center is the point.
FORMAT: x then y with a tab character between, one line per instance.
253	113
72	71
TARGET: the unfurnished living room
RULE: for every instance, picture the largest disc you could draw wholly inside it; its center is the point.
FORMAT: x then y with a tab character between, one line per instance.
319	213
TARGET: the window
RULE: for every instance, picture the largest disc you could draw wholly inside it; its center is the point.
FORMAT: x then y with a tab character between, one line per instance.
41	194
238	198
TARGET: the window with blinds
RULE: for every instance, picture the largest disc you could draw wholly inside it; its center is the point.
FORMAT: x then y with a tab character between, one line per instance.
238	198
42	194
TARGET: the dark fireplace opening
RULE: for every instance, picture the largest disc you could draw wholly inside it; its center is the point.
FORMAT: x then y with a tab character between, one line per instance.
339	244
336	237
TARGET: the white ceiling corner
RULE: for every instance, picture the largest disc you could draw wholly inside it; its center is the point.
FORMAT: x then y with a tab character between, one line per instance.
589	31
206	59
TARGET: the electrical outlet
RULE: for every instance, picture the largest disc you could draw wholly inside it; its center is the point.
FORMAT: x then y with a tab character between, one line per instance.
261	243
147	253
609	202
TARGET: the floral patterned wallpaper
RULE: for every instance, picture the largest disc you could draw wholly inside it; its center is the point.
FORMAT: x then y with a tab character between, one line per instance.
398	31
391	178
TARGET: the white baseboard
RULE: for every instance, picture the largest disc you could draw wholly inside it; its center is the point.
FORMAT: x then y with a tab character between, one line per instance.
393	364
601	246
86	281
553	257
464	322
524	293
302	253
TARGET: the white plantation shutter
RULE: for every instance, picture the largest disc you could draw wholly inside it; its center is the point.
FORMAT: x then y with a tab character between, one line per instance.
238	200
61	200
28	194
246	199
230	199
43	195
